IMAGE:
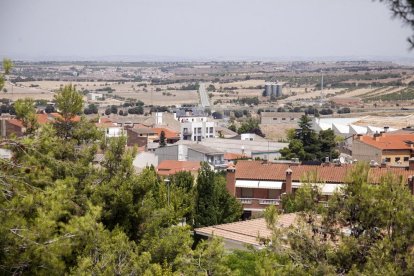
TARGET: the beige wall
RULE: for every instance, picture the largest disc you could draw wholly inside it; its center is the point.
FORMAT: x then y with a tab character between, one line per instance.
392	154
364	152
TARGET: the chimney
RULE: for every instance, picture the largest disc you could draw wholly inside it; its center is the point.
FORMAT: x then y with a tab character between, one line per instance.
411	163
288	187
231	180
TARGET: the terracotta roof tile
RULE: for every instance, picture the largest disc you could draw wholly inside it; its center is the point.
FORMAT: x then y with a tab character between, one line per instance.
246	232
258	170
58	116
233	156
41	119
104	120
389	141
169	167
169	133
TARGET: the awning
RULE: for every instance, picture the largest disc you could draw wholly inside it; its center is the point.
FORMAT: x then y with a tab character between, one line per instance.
247	184
276	185
326	189
329	189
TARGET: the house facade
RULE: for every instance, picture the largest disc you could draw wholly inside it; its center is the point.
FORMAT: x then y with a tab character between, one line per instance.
384	148
258	184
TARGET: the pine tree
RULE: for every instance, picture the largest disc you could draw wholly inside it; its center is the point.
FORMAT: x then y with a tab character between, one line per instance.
162	139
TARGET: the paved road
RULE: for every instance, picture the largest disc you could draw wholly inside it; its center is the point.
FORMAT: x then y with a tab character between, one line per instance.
205	102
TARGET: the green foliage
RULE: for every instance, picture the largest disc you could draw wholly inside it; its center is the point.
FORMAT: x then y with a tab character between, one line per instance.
2	81
162	139
69	102
136	110
26	112
7	65
211	88
306	144
251	126
365	229
213	204
233	127
403	95
91	109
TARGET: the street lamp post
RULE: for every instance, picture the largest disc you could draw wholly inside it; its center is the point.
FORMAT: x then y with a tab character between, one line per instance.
167	182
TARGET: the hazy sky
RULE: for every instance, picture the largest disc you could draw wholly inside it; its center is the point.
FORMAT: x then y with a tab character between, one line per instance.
200	28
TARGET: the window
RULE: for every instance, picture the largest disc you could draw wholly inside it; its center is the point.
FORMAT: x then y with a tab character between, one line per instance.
195	130
195	138
199	130
397	159
206	129
406	159
387	160
274	119
246	193
283	119
199	138
292	119
273	194
211	130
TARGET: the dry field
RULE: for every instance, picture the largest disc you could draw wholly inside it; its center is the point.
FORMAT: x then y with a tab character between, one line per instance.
157	98
16	92
276	132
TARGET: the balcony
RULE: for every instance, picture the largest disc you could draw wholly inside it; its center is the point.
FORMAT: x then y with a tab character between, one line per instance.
269	201
259	201
245	200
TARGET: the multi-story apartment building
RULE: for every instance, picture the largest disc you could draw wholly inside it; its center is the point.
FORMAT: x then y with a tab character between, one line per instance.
195	125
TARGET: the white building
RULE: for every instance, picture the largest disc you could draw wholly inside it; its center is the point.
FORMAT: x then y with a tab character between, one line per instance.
94	96
195	125
110	129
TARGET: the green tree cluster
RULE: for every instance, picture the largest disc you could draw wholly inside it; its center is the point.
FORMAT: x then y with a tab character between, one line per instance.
306	144
61	213
251	125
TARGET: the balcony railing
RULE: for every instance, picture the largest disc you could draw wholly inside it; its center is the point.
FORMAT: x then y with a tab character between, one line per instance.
269	201
261	201
245	200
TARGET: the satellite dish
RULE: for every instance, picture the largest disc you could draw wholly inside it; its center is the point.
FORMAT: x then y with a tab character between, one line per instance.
342	160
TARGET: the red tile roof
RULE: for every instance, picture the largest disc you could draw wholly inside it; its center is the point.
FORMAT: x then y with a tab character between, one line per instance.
257	170
246	232
233	156
58	116
388	141
41	119
104	120
169	167
169	133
